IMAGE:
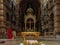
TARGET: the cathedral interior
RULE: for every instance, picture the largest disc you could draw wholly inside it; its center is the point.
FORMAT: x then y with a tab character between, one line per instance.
30	22
30	18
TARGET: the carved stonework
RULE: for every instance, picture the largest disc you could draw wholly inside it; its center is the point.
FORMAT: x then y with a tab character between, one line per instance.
30	19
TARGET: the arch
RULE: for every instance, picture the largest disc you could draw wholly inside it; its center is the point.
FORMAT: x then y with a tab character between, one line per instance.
30	16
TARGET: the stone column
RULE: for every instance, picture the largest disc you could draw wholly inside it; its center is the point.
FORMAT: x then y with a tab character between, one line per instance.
2	24
57	16
34	27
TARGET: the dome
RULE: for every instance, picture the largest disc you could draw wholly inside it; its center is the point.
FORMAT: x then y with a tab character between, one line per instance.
29	10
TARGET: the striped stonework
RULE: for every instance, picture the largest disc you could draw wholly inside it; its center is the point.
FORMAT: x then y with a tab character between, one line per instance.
2	25
57	16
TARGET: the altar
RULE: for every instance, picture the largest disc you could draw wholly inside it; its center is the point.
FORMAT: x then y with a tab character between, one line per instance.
31	34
